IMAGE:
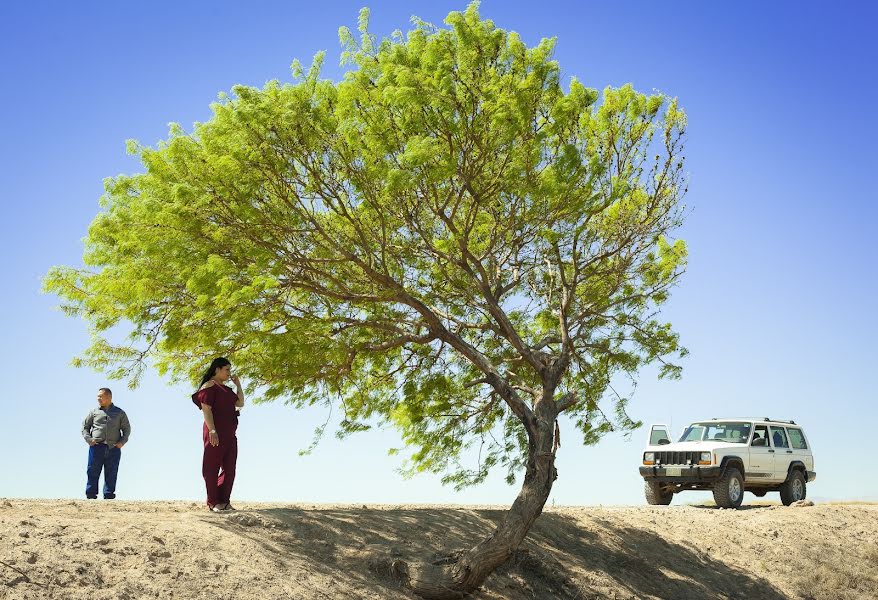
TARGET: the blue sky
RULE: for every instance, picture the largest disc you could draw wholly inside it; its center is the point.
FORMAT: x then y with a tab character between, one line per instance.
777	307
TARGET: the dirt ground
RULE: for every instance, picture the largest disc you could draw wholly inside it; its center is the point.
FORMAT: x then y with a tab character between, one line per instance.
103	550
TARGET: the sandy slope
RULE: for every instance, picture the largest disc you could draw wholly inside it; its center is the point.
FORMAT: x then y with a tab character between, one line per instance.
131	550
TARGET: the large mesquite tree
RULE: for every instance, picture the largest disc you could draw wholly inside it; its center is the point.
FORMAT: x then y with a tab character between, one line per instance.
446	241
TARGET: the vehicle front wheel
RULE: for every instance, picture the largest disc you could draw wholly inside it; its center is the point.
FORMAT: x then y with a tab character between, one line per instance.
729	489
655	494
793	489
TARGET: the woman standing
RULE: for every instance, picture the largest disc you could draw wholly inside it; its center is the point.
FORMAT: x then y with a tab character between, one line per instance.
219	405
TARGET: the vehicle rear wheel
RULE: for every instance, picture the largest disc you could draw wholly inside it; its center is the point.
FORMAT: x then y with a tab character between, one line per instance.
729	489
655	494
793	489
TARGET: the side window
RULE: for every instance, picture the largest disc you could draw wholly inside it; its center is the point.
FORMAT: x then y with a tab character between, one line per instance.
760	436
779	437
797	440
659	435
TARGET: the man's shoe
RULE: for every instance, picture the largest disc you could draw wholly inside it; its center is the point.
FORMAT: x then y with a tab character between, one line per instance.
91	497
113	497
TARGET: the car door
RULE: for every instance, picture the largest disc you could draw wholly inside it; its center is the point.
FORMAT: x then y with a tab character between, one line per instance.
799	447
659	435
783	454
761	467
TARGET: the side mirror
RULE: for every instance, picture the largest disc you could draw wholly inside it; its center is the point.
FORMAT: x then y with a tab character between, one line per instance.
664	441
759	442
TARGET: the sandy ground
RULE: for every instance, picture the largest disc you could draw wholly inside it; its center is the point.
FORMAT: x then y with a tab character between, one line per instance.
104	550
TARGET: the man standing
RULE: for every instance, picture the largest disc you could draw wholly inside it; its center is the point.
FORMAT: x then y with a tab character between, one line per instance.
106	430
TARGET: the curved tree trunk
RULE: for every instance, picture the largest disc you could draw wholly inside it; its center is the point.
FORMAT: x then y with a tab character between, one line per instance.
467	572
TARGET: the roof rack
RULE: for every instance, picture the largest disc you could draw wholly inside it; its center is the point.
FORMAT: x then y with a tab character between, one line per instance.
766	419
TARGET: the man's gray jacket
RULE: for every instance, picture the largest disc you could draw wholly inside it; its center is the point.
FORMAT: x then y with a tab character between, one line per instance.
109	426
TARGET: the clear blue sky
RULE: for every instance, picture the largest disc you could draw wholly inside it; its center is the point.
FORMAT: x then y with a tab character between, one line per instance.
777	307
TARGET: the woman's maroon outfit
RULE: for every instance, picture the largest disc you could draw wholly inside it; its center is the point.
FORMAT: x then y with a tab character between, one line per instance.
219	482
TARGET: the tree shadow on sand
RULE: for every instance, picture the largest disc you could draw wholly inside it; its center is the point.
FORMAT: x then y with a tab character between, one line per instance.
559	559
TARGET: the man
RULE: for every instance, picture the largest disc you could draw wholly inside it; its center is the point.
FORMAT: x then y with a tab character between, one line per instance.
105	429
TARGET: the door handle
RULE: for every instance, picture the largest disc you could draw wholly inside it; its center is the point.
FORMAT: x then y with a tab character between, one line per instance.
789	451
771	450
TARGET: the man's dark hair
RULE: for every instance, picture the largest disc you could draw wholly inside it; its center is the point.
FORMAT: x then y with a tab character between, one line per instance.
108	390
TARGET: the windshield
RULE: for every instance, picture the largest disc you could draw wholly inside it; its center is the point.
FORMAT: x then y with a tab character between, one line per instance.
720	431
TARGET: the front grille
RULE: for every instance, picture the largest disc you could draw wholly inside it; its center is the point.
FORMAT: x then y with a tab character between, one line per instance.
677	458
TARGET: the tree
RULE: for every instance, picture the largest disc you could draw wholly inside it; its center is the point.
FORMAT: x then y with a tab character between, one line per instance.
445	241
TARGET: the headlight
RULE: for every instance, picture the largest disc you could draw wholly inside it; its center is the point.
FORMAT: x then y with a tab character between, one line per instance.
648	458
705	458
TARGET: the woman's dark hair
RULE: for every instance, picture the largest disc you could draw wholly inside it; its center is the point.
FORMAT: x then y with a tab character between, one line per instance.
218	363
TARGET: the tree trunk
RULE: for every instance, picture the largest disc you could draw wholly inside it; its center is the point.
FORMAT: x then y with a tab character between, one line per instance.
461	575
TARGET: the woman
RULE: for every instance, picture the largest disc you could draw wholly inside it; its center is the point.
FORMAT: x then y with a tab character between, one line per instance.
219	405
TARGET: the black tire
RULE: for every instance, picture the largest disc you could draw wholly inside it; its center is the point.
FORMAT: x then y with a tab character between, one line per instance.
794	488
759	493
728	491
655	494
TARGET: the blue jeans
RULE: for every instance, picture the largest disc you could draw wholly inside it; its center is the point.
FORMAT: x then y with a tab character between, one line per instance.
101	456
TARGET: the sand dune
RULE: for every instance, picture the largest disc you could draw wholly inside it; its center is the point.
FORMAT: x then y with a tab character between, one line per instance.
131	550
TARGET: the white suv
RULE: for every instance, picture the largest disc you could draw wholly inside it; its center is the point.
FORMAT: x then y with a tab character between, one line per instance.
729	457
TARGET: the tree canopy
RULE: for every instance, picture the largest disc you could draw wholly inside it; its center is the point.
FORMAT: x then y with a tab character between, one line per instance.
441	240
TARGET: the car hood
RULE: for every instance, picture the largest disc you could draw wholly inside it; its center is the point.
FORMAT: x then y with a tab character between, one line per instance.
705	446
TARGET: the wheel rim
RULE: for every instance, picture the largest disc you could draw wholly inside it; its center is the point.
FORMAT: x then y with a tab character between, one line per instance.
734	489
798	488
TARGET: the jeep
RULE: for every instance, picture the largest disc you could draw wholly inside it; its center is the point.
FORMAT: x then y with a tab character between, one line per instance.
729	457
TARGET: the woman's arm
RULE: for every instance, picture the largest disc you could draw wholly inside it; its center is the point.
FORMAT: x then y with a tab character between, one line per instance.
211	428
240	391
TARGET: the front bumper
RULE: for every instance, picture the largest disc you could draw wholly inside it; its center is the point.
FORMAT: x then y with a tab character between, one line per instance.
693	474
812	475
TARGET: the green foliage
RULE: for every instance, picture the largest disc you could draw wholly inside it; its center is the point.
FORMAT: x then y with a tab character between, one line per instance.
445	214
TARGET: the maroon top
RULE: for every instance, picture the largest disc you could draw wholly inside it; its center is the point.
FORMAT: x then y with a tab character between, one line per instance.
222	401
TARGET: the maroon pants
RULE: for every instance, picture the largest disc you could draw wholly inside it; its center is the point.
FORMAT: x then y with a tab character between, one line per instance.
218	468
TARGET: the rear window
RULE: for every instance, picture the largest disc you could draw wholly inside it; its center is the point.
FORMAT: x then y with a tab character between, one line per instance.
797	440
